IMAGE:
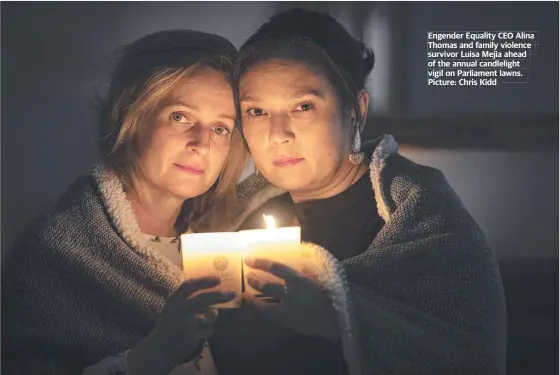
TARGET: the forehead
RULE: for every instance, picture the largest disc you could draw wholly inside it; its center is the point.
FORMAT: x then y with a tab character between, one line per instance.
282	76
203	81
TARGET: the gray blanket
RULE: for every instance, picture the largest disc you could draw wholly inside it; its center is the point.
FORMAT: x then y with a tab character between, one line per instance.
77	287
426	298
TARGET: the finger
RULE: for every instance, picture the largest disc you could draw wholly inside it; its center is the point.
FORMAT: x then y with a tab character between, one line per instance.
204	323
205	300
202	329
206	318
252	301
268	288
188	287
210	313
275	268
274	311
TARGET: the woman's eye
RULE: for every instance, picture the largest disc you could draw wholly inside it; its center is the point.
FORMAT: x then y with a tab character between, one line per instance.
305	107
256	112
177	117
221	130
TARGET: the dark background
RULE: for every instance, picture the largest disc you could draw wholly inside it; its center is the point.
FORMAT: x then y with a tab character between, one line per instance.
498	146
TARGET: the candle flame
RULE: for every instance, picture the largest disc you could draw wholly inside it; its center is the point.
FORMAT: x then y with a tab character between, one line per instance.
269	220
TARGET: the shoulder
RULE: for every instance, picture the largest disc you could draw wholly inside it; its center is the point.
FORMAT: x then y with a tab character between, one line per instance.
80	205
388	166
402	173
78	209
57	243
399	182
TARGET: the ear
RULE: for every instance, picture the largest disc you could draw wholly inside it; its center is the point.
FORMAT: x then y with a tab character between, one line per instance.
363	101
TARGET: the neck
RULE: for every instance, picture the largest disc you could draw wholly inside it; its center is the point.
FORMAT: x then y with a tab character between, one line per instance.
346	176
155	211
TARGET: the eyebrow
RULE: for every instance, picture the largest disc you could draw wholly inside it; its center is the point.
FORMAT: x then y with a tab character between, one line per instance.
309	92
195	108
296	95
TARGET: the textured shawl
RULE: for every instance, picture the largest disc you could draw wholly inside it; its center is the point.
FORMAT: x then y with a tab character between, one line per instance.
427	296
78	287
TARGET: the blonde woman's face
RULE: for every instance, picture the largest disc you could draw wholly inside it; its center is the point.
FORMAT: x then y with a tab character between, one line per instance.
188	143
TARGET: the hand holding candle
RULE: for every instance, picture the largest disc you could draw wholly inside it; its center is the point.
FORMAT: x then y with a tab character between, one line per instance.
275	268
306	308
181	330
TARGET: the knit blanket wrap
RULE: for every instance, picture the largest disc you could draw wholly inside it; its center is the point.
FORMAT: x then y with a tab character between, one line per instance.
425	298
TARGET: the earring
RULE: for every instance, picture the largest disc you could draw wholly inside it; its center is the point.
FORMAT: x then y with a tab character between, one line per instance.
256	171
356	157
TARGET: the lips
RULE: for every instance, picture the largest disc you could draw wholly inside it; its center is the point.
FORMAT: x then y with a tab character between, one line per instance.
190	169
287	161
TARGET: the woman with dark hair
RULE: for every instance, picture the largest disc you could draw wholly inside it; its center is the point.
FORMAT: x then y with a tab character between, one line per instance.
403	281
98	281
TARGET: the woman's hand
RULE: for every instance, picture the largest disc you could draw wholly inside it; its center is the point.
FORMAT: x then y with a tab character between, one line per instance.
185	323
305	307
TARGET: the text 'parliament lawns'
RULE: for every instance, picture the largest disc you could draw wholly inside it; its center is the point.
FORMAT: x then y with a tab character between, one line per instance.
465	58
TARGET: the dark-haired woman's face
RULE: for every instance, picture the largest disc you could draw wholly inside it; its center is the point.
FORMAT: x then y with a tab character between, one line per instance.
293	124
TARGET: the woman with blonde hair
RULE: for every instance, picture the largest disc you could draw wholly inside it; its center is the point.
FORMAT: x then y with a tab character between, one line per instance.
95	285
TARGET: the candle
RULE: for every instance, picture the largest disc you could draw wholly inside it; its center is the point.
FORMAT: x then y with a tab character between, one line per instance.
278	244
215	254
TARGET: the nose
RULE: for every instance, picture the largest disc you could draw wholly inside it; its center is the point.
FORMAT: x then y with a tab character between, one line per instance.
199	139
280	129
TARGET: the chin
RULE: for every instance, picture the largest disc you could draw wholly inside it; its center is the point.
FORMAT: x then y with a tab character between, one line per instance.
191	192
188	186
290	182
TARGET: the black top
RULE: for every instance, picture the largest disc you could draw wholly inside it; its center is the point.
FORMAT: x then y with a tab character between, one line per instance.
345	224
245	342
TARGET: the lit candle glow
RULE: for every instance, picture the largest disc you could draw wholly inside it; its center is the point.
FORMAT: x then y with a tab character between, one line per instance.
278	244
221	254
269	221
215	254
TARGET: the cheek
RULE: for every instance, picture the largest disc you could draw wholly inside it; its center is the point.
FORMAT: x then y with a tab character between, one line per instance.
326	141
148	149
256	140
323	147
154	139
339	136
160	150
219	154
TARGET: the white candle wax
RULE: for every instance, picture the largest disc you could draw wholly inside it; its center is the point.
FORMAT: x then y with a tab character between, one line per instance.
215	254
281	245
